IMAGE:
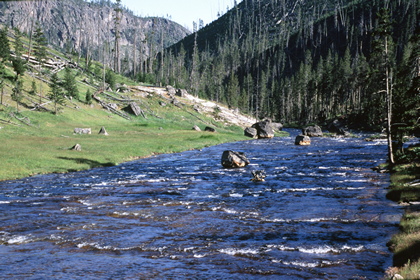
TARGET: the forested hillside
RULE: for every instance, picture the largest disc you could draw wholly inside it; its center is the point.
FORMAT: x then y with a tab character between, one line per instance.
306	61
88	29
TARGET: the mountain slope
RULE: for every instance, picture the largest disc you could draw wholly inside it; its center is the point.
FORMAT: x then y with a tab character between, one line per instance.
89	29
304	61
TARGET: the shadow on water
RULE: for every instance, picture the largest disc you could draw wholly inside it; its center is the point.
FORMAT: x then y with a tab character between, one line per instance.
91	163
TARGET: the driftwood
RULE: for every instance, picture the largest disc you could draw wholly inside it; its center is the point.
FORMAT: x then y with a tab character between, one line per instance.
136	109
9	122
109	108
24	120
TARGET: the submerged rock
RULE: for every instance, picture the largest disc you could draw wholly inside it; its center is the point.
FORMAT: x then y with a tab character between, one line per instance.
231	159
259	176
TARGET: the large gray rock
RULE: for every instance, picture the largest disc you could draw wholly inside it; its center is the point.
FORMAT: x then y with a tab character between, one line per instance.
181	92
171	91
303	140
264	129
82	130
277	126
338	126
231	159
312	131
250	132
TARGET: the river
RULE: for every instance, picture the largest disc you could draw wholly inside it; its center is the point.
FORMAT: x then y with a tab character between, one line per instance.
320	214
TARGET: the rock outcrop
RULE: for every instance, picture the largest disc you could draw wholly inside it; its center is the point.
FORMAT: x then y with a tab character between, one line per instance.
87	26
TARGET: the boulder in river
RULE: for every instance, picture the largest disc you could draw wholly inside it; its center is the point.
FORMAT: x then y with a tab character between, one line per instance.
339	127
312	131
303	140
277	126
231	159
264	129
250	132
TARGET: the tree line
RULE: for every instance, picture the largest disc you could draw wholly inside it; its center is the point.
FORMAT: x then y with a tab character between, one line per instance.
308	66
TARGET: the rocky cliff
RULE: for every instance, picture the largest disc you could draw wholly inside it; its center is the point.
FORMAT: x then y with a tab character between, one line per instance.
88	27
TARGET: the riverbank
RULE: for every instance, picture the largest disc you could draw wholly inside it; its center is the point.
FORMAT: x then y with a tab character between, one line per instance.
405	189
40	142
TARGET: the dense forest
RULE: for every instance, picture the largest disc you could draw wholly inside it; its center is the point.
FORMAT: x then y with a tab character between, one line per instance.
305	61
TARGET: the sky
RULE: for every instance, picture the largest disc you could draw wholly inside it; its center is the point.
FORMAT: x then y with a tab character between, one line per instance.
184	12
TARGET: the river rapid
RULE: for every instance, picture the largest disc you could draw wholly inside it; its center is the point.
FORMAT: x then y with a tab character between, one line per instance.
320	214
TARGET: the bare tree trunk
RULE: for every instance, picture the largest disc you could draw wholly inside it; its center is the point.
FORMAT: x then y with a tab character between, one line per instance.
389	116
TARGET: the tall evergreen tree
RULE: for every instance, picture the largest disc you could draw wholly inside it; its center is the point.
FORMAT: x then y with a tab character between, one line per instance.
383	52
4	45
40	46
70	84
17	93
19	64
56	94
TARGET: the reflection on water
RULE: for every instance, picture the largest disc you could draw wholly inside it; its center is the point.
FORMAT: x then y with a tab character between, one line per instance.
320	214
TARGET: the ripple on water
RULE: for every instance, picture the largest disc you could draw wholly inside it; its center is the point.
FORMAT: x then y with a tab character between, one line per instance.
320	214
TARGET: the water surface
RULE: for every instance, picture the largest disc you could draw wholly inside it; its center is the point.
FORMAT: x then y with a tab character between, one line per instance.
320	214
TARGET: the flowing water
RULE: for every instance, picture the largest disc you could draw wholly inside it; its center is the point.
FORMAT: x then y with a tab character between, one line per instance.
320	214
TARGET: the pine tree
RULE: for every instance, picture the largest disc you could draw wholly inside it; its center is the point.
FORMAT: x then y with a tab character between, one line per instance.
2	81
69	84
18	63
56	94
17	94
40	47
382	48
4	46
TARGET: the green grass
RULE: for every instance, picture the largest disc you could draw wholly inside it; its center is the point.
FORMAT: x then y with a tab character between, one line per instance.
406	244
45	145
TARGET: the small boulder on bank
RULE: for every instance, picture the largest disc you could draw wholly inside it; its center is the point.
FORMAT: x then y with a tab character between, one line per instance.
82	131
210	129
77	147
303	140
312	131
196	128
181	92
103	131
231	159
171	91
